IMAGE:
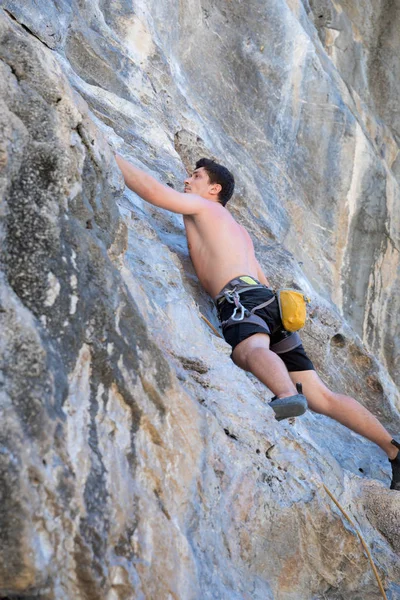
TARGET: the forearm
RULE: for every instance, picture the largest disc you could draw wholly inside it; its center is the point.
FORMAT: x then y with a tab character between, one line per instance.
156	193
141	183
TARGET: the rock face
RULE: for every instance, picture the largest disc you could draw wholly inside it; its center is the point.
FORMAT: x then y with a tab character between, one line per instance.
136	461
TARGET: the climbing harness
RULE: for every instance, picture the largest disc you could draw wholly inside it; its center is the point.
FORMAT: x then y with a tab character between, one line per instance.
248	316
231	294
292	304
241	284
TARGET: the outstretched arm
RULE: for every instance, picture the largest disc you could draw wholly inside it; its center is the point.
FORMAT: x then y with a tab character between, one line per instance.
156	193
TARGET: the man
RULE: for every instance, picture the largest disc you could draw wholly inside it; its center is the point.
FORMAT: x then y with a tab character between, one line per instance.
223	257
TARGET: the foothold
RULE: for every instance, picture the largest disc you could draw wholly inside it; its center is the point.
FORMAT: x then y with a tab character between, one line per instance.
338	340
229	434
191	364
360	357
268	451
374	384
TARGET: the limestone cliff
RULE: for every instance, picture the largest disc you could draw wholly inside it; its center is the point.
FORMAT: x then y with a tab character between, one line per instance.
136	461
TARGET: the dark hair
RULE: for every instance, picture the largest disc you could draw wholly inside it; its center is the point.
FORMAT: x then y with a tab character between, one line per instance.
218	174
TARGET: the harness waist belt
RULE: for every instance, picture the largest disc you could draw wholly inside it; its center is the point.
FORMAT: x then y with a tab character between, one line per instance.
231	293
238	285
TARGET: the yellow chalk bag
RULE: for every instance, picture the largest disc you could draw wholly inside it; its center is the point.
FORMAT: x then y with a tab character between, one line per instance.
293	308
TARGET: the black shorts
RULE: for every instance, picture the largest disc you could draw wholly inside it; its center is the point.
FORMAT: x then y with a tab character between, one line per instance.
295	359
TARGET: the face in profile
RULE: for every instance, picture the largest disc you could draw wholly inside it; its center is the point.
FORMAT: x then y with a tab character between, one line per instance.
198	183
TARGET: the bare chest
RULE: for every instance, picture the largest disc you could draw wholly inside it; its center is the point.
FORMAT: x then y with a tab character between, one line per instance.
215	236
194	236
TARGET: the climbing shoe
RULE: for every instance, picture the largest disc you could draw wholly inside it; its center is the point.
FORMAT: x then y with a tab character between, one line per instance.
291	406
395	485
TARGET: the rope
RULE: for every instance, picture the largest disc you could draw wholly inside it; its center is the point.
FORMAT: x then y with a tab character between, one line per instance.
363	543
217	333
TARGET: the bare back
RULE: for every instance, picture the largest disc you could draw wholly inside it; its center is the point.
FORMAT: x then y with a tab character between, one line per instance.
219	247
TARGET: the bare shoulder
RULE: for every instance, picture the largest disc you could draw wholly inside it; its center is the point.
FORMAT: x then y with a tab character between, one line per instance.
193	205
214	213
209	209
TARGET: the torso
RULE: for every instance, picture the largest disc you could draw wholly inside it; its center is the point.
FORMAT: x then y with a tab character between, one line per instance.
219	247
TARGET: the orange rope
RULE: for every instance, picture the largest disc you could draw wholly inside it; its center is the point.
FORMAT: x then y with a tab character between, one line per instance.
212	326
363	543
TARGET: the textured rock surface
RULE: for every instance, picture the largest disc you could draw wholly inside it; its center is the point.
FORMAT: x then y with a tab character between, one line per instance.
136	460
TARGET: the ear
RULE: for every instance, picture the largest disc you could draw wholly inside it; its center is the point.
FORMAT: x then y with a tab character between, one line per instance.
216	188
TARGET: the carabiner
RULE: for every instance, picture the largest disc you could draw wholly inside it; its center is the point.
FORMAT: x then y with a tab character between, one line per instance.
242	313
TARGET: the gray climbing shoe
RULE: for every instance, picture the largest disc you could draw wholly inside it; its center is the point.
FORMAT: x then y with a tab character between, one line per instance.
291	406
395	485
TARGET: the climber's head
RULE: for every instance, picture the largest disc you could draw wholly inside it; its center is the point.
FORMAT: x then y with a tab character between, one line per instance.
211	180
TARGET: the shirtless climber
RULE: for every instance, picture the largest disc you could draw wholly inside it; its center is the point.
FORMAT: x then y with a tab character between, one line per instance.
223	257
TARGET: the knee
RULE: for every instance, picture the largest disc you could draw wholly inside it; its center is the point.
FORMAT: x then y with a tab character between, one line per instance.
245	350
328	401
332	398
241	355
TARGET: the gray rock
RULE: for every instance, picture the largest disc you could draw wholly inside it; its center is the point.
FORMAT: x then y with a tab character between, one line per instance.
48	21
136	460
